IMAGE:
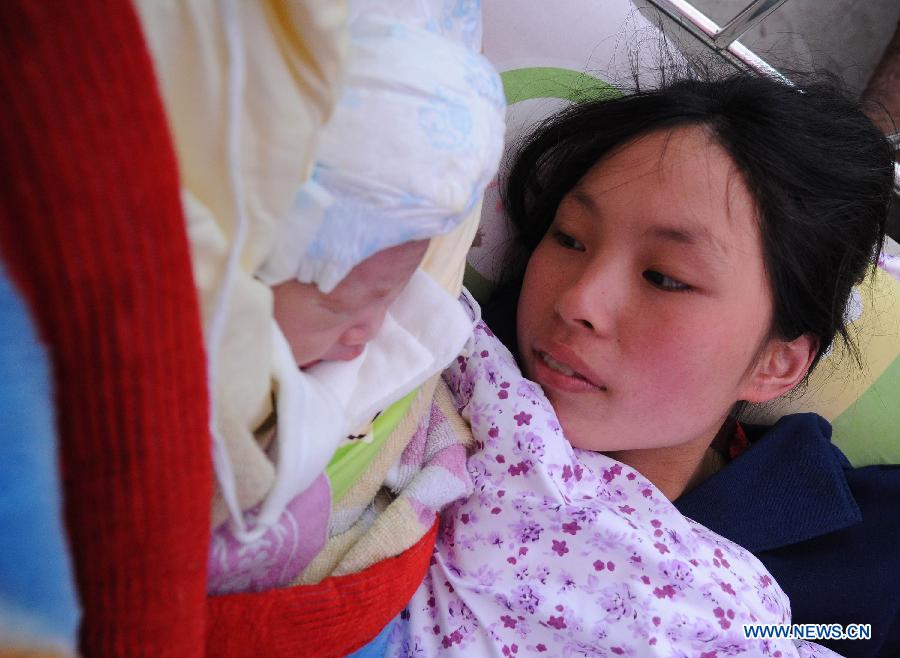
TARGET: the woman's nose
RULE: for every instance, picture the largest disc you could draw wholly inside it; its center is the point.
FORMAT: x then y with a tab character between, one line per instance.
591	300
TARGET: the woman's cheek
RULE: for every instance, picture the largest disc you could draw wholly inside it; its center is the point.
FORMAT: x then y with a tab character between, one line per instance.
535	292
548	272
660	347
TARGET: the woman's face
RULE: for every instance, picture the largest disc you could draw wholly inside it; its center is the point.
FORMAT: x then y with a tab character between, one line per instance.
646	304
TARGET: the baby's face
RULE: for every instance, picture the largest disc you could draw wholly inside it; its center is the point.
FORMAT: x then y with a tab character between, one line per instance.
337	326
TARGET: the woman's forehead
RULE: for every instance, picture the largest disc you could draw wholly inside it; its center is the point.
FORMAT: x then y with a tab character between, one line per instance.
687	155
679	185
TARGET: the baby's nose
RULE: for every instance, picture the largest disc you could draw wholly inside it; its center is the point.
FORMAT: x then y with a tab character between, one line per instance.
344	353
362	332
353	341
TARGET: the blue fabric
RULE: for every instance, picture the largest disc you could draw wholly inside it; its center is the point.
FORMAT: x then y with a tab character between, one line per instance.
37	594
828	533
377	647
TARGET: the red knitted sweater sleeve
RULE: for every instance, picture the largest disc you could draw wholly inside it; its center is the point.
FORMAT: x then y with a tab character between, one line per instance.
92	230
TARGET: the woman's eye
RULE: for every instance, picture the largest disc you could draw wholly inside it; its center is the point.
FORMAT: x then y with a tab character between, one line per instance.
664	282
567	241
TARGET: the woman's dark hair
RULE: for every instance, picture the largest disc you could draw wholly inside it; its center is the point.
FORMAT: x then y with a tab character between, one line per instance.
819	171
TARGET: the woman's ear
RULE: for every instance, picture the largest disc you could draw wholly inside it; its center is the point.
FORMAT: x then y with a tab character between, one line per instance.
782	364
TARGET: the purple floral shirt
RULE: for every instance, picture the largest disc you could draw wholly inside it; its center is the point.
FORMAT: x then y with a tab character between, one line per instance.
565	552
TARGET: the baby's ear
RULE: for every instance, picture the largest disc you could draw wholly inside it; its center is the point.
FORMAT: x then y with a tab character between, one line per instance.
781	366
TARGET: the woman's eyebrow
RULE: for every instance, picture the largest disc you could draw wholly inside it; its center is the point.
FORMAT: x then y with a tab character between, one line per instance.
680	233
689	235
583	199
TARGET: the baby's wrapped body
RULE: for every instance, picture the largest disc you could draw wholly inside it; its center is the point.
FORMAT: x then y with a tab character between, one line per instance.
566	552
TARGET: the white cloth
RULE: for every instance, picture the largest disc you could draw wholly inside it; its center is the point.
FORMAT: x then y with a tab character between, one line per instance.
413	143
423	330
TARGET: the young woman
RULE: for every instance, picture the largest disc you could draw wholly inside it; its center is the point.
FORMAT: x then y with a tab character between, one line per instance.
691	249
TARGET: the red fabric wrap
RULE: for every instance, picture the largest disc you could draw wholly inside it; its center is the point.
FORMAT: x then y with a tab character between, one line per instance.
333	618
92	231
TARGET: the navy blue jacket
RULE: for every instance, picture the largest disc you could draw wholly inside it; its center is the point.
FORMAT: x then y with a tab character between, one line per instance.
829	533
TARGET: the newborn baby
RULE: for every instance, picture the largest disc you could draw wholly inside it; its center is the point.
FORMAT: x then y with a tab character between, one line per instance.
336	326
342	357
406	157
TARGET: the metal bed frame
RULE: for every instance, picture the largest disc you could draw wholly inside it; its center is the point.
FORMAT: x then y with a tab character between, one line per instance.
724	40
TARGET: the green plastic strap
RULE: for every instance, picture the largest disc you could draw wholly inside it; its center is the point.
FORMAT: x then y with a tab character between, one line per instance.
350	461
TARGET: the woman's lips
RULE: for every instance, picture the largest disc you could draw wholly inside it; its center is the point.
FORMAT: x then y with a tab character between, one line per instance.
559	369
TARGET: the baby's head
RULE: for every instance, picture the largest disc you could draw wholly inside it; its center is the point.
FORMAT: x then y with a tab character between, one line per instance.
336	326
691	247
393	166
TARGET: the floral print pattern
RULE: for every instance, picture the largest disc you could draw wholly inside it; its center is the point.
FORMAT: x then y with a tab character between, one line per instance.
280	554
564	552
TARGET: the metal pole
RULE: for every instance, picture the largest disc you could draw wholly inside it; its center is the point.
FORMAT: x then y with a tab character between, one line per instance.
722	40
704	29
751	15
